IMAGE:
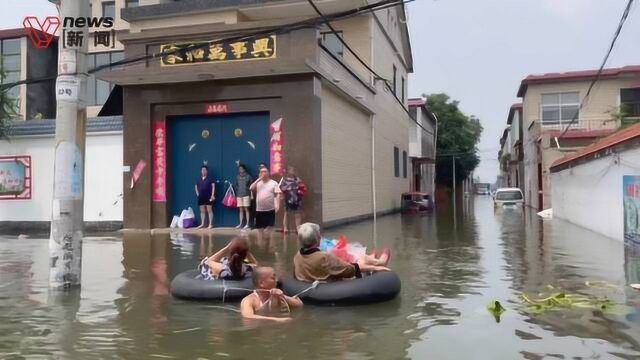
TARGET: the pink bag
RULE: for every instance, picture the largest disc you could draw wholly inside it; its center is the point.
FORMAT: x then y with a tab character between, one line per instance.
230	199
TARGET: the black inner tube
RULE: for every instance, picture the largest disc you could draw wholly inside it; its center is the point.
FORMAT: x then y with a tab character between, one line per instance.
190	285
381	286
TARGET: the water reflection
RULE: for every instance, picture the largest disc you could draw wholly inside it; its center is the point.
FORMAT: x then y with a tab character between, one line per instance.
451	269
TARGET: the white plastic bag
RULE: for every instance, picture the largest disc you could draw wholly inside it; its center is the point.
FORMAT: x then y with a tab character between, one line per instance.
190	214
174	222
183	215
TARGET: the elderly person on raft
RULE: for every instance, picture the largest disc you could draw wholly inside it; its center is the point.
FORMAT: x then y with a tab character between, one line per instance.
267	300
311	264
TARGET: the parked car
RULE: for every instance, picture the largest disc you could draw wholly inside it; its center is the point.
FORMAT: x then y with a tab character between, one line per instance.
508	198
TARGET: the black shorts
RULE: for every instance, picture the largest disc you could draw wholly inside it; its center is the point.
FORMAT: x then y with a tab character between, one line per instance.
204	202
265	219
293	206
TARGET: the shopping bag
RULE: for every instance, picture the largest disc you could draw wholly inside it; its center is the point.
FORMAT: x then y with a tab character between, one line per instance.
230	199
189	218
174	222
302	189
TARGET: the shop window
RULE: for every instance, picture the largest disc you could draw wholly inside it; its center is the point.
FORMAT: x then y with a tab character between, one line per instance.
99	90
109	9
396	161
11	64
630	102
404	164
560	108
132	3
331	42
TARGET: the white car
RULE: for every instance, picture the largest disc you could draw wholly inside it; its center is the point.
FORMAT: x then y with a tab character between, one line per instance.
508	198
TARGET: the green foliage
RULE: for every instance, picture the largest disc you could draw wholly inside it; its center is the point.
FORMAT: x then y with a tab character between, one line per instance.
458	134
8	108
496	309
620	114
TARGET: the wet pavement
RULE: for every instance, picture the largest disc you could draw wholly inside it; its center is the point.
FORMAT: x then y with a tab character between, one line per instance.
450	269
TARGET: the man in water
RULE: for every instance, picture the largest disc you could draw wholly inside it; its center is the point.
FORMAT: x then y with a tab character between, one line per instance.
267	300
311	264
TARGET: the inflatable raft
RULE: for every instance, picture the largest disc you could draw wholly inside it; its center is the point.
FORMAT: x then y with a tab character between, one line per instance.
379	287
190	285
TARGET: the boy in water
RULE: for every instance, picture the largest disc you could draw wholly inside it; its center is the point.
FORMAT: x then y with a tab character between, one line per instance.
267	300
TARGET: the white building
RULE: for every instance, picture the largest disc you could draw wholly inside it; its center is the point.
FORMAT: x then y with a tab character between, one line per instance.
598	187
30	208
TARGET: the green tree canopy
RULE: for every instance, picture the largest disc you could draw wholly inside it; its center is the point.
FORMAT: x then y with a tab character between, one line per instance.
8	107
458	135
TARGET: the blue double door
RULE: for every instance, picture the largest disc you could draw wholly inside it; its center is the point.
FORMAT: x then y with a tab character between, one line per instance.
220	142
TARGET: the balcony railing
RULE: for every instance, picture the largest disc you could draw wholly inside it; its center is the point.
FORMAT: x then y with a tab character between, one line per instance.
583	124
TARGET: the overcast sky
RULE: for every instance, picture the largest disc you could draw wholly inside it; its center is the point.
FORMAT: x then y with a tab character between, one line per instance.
477	51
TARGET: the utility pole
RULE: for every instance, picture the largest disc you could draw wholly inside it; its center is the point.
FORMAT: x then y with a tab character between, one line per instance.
67	218
453	159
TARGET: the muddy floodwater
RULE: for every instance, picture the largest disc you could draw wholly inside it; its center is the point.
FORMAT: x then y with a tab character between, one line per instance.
450	270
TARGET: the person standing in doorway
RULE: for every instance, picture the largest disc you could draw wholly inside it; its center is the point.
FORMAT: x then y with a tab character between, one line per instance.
290	185
205	191
243	182
267	202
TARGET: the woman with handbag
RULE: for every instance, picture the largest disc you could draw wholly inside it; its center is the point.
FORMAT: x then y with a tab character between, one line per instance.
243	193
293	189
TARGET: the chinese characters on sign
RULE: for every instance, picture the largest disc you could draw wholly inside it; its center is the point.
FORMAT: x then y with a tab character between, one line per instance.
216	108
159	146
276	149
631	199
15	178
204	52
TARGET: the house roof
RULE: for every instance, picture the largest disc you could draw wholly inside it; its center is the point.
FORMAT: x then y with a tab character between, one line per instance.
617	138
414	102
47	127
15	33
581	133
574	76
512	110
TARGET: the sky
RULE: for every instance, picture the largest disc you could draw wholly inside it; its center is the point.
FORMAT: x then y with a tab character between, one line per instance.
478	51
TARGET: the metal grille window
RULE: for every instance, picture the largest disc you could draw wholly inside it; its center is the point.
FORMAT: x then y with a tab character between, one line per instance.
332	43
11	64
630	101
98	91
560	108
396	161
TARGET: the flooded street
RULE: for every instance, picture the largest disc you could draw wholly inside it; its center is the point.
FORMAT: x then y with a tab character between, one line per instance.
450	271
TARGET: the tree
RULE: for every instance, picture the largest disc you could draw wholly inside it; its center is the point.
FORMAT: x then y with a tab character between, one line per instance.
8	107
458	135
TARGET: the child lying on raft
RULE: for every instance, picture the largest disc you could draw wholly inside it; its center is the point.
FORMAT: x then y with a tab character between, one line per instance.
229	263
267	300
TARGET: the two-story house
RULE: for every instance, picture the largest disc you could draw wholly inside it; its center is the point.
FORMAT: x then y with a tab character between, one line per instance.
214	95
422	147
21	60
551	101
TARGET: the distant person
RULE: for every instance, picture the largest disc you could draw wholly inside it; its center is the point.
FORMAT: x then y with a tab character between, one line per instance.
311	264
205	191
229	263
291	185
267	202
267	300
253	199
243	194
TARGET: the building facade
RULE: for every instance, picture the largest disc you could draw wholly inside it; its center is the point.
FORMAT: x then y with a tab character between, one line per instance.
551	101
21	60
511	153
598	187
422	147
224	102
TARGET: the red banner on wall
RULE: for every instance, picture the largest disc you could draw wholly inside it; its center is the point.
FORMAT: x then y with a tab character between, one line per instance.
276	147
159	145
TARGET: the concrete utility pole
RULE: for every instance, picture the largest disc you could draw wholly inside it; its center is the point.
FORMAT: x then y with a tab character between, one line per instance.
65	243
453	159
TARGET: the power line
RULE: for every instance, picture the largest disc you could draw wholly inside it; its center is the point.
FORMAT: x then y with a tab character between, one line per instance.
623	20
373	72
280	29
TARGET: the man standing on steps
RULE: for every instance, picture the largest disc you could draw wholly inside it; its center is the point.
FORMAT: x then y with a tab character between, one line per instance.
267	202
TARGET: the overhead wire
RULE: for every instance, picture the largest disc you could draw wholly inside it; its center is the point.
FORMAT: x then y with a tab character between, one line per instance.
623	20
359	59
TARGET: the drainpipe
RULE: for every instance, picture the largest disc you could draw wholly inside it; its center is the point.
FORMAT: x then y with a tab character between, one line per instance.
373	181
